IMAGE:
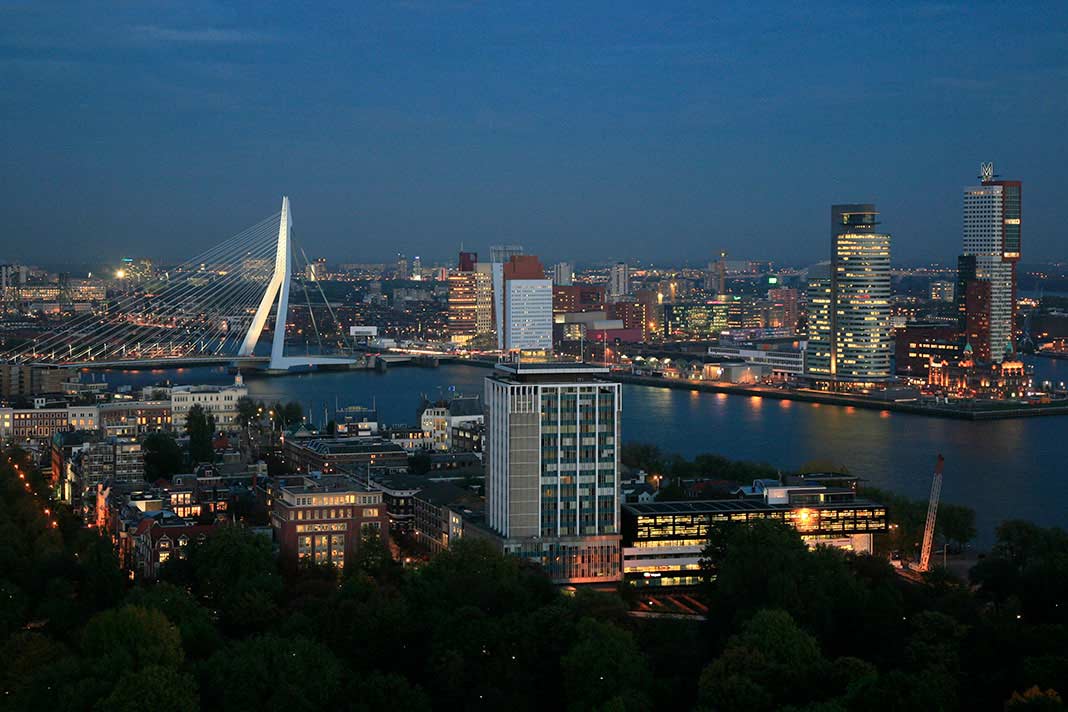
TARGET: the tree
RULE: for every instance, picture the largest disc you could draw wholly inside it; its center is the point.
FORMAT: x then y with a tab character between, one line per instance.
956	523
604	669
235	569
163	456
131	638
292	413
200	638
275	674
772	662
170	690
248	411
200	427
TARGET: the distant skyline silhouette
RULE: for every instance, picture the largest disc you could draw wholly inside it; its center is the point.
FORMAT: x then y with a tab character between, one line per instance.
584	131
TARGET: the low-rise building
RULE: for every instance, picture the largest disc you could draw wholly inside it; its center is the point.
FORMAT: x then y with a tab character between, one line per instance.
439	418
663	541
439	510
218	401
332	455
322	520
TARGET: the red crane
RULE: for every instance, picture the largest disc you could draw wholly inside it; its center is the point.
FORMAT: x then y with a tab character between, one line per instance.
932	515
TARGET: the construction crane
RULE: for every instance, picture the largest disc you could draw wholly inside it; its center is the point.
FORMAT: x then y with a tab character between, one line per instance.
932	515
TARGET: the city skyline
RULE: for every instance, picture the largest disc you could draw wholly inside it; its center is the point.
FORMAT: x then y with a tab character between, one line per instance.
631	137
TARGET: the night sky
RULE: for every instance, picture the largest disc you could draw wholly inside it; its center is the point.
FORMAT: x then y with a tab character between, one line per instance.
590	131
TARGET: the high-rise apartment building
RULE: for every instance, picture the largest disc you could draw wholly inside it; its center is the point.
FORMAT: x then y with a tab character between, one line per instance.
523	298
790	300
857	345
552	472
992	234
619	281
563	274
818	301
470	311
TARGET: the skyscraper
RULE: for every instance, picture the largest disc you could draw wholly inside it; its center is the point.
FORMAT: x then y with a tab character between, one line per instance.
992	234
552	473
563	274
818	308
470	301
858	343
499	254
619	281
525	305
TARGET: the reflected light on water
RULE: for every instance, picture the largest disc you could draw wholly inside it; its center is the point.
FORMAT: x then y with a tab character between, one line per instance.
884	414
785	403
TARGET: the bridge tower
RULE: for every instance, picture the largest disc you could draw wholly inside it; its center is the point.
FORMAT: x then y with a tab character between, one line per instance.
277	287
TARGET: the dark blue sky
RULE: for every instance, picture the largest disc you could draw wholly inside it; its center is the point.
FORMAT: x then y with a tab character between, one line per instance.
582	130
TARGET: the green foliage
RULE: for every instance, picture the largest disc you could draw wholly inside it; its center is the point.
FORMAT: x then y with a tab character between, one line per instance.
200	427
168	689
772	662
163	456
235	570
789	628
131	638
274	674
604	669
248	410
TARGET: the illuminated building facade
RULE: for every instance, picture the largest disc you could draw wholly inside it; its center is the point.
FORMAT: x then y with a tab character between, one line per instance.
915	345
992	234
818	308
704	320
578	298
663	541
552	467
861	344
526	306
470	305
322	521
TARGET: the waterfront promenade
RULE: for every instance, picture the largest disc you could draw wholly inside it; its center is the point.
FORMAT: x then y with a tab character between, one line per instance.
979	411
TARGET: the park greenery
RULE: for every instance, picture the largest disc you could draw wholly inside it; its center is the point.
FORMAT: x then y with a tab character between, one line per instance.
789	628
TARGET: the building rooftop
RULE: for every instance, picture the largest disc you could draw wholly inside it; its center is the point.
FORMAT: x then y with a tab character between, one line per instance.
734	505
321	485
350	446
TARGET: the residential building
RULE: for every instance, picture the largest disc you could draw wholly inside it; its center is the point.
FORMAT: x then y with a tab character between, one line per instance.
941	290
217	401
552	496
440	510
563	274
470	310
619	281
992	234
819	300
331	455
438	419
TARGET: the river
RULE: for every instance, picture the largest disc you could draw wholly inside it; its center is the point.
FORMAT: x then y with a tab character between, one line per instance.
1004	469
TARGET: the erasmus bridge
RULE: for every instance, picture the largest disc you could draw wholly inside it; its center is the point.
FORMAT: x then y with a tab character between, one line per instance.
210	309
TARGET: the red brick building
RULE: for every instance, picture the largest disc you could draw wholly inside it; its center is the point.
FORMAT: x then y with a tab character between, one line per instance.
323	520
578	298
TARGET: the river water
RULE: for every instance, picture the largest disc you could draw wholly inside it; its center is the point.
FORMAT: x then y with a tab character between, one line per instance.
1003	469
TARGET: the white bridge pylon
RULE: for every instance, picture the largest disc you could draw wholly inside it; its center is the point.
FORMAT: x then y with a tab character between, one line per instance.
278	288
